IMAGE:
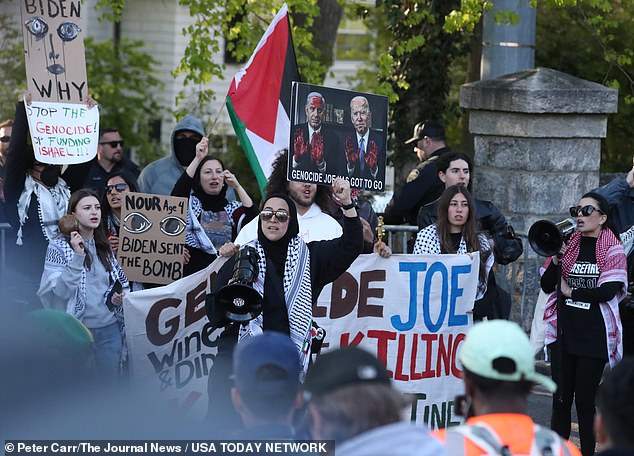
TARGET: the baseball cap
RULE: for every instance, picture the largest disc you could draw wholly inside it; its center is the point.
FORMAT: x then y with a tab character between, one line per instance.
61	332
267	363
500	350
342	367
427	128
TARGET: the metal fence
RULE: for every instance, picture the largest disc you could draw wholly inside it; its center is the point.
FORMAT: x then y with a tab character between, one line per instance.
520	278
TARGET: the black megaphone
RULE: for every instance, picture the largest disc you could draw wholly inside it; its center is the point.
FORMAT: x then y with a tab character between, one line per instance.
546	237
237	301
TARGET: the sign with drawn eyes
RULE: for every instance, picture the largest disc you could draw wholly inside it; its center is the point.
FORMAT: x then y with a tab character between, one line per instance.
54	50
152	237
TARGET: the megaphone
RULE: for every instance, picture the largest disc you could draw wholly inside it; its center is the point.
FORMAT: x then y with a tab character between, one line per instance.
546	237
237	301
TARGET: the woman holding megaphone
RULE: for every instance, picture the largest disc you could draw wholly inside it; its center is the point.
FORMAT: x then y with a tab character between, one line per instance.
583	329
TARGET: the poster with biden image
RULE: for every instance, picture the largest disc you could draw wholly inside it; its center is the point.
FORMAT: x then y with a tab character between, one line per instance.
335	133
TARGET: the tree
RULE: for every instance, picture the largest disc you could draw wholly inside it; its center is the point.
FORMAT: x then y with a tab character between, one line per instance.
11	67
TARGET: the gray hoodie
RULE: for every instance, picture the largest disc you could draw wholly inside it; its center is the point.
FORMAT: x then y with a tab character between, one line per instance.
160	176
398	439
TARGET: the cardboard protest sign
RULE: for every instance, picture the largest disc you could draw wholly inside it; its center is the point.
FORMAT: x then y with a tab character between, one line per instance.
63	133
54	50
415	325
171	344
337	132
152	237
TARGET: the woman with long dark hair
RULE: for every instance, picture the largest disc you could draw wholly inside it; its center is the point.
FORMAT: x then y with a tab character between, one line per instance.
82	277
212	221
111	203
456	231
583	328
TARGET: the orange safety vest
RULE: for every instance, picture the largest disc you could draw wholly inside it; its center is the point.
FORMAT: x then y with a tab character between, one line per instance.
505	434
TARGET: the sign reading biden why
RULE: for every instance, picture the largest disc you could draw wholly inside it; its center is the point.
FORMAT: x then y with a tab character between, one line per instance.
335	133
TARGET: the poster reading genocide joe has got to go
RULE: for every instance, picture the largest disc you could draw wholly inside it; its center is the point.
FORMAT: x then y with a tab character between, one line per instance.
152	237
337	133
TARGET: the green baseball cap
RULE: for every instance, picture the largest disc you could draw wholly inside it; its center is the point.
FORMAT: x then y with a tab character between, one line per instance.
500	350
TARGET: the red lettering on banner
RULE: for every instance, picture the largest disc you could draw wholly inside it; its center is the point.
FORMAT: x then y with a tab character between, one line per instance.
382	337
413	375
428	339
455	370
398	374
344	341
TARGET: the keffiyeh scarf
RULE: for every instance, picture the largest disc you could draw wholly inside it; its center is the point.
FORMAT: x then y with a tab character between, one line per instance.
53	203
612	265
195	235
297	295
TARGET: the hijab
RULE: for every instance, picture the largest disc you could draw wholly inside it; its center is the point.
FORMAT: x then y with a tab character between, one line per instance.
276	250
215	203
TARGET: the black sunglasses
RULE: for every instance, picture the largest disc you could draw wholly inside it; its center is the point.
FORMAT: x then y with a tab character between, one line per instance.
113	144
585	210
118	187
5	139
267	215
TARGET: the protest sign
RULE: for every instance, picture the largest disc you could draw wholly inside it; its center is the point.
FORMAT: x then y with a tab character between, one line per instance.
337	132
152	237
171	344
415	325
54	50
63	133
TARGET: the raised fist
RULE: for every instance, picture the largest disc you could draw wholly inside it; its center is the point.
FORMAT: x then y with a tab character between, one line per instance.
317	147
371	155
299	145
352	155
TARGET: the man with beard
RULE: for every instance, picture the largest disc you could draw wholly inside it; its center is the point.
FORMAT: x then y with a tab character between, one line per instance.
315	147
160	176
312	201
109	159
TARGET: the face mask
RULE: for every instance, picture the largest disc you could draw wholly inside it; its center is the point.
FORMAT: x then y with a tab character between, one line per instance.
49	176
185	150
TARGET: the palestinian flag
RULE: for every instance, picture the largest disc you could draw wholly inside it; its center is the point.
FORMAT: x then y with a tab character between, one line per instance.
259	97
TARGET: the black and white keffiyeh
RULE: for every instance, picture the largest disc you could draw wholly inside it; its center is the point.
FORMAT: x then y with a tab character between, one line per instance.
195	235
53	203
297	295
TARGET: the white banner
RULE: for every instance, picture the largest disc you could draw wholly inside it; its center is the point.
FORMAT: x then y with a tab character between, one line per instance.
63	133
412	311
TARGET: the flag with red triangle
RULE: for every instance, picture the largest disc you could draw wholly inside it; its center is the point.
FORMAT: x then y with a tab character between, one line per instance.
259	97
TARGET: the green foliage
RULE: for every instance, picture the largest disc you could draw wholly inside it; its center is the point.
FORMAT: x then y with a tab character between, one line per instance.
121	78
11	67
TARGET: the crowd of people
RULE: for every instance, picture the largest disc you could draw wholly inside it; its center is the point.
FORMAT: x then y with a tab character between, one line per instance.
264	382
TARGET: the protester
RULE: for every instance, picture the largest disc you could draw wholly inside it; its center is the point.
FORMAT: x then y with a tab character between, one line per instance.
82	277
498	372
290	276
456	168
352	401
619	193
160	176
313	203
422	184
583	327
266	383
212	221
615	410
5	137
116	184
456	231
36	197
110	159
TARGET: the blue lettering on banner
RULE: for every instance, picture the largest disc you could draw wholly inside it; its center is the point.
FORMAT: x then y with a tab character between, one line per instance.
448	297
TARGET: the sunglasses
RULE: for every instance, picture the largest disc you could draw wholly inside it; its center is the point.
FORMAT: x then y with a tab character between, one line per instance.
585	210
113	144
281	215
5	139
118	187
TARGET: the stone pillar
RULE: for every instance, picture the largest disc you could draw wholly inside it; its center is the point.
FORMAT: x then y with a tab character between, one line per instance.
537	141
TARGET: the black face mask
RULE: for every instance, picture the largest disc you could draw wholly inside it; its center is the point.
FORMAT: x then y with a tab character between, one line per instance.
50	175
185	150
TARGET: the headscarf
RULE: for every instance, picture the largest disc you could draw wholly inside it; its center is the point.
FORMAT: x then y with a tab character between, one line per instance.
215	203
276	250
